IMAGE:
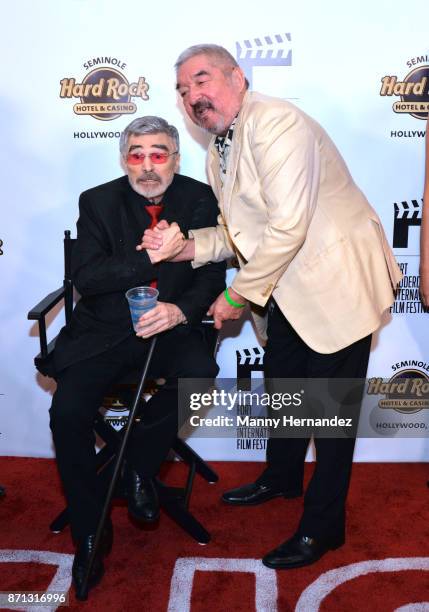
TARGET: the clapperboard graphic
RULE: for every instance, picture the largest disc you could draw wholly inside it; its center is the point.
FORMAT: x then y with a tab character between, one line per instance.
406	215
266	51
248	361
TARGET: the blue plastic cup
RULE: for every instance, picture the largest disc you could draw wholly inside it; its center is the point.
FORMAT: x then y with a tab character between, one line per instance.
140	300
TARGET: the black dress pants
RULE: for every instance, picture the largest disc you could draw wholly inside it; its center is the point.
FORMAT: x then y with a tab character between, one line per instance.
288	356
80	391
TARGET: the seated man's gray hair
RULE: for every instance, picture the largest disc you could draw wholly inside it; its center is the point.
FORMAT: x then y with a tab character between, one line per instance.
147	125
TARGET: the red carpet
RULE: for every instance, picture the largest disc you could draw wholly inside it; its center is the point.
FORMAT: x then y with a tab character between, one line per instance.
388	528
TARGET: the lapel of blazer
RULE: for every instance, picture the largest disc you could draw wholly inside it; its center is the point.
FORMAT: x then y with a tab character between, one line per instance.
234	155
213	172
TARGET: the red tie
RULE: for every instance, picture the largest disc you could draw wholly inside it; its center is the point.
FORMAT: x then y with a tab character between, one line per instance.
154	210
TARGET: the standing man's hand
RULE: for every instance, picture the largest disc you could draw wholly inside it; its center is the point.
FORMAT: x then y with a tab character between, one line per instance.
229	305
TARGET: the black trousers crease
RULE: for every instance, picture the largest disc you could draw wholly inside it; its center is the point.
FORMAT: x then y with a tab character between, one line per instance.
288	356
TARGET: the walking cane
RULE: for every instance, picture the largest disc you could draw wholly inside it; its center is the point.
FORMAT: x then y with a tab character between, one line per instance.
117	467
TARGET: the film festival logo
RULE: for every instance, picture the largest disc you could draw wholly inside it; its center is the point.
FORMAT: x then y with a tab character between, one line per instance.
410	93
248	361
105	92
407	214
267	51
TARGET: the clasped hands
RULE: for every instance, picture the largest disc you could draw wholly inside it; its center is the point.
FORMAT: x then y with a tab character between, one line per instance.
164	243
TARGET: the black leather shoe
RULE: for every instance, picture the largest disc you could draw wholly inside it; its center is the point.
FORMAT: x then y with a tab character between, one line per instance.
81	561
300	551
256	493
143	502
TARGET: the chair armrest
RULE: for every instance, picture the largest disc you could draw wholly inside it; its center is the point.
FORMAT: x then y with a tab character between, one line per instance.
42	308
38	313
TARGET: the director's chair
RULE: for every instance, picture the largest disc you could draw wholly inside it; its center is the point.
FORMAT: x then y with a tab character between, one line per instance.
129	393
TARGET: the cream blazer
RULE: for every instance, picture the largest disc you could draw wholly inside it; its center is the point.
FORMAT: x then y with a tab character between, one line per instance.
301	229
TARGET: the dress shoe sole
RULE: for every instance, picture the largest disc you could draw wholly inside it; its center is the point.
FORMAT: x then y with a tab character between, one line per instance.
286	566
292	565
242	502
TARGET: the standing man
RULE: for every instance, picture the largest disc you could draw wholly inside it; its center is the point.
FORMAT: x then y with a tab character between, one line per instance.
315	267
99	346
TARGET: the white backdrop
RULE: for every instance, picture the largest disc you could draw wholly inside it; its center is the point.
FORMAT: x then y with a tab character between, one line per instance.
328	58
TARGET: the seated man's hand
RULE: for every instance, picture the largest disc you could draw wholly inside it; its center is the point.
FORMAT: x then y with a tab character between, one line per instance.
164	316
173	241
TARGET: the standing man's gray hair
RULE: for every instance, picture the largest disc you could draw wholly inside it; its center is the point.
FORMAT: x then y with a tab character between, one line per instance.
222	55
147	125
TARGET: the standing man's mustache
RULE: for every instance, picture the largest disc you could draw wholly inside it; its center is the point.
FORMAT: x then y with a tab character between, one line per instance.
201	106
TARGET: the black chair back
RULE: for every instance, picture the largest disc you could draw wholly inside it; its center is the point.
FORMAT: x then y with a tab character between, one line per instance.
68	283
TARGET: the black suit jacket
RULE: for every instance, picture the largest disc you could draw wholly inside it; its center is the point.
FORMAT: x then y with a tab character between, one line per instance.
105	264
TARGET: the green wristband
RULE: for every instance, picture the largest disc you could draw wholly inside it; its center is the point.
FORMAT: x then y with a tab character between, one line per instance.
231	301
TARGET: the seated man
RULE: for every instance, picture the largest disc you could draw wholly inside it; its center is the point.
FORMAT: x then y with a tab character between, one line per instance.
100	346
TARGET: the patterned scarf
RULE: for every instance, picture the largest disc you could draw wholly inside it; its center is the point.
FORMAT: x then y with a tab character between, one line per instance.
223	146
